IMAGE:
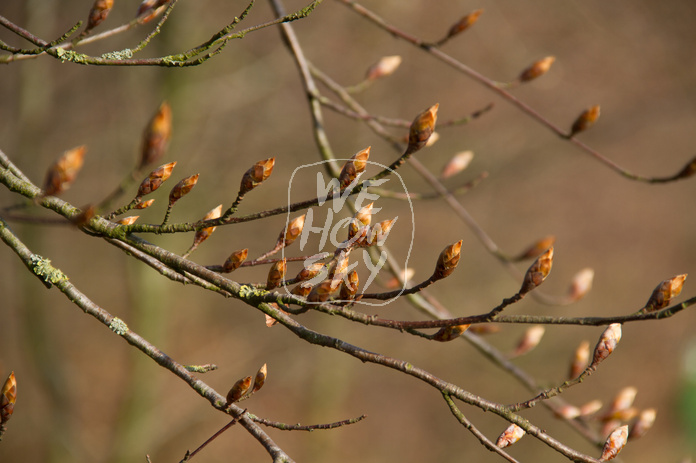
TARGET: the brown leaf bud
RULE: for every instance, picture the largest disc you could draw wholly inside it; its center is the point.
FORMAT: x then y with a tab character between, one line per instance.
458	163
448	260
155	179
536	249
537	69
688	170
349	286
607	343
258	173
310	271
590	408
585	120
339	265
361	219
276	274
615	442
321	292
642	425
235	260
292	231
622	402
63	172
301	290
464	23
100	10
512	434
485	328
568	412
156	136
379	233
664	293
580	360
8	397
144	204
384	67
204	234
356	165
239	390
149	9
581	284
182	188
128	220
260	378
447	333
422	128
537	272
531	339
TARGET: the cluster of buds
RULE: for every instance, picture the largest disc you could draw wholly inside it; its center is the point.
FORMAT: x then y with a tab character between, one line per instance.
537	272
584	121
236	259
100	10
614	443
63	172
663	294
447	261
156	178
8	397
156	136
291	232
257	174
354	167
421	129
359	223
247	386
448	333
607	343
386	66
536	69
182	188
512	434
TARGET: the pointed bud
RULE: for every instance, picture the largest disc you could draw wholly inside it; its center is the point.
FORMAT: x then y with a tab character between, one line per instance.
128	220
270	321
257	174
421	128
100	10
448	333
642	425
356	165
156	136
292	231
182	188
144	204
204	234
310	271
590	408
260	378
276	274
531	339
384	67
339	266
485	328
448	260
585	120
301	290
458	163
581	284
580	360
8	397
379	233
235	260
321	292
568	412
536	249
537	272
361	219
512	434
622	402
464	23
614	444
537	69
688	170
239	390
607	343
349	286
664	293
155	179
64	171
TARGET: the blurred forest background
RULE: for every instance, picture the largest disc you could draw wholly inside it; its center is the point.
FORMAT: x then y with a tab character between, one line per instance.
86	396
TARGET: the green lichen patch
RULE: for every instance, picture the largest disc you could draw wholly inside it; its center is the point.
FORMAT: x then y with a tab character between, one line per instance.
47	272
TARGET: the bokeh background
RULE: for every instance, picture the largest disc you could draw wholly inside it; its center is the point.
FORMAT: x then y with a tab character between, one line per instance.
86	396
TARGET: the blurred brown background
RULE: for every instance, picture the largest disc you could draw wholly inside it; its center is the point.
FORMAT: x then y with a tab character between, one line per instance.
86	396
